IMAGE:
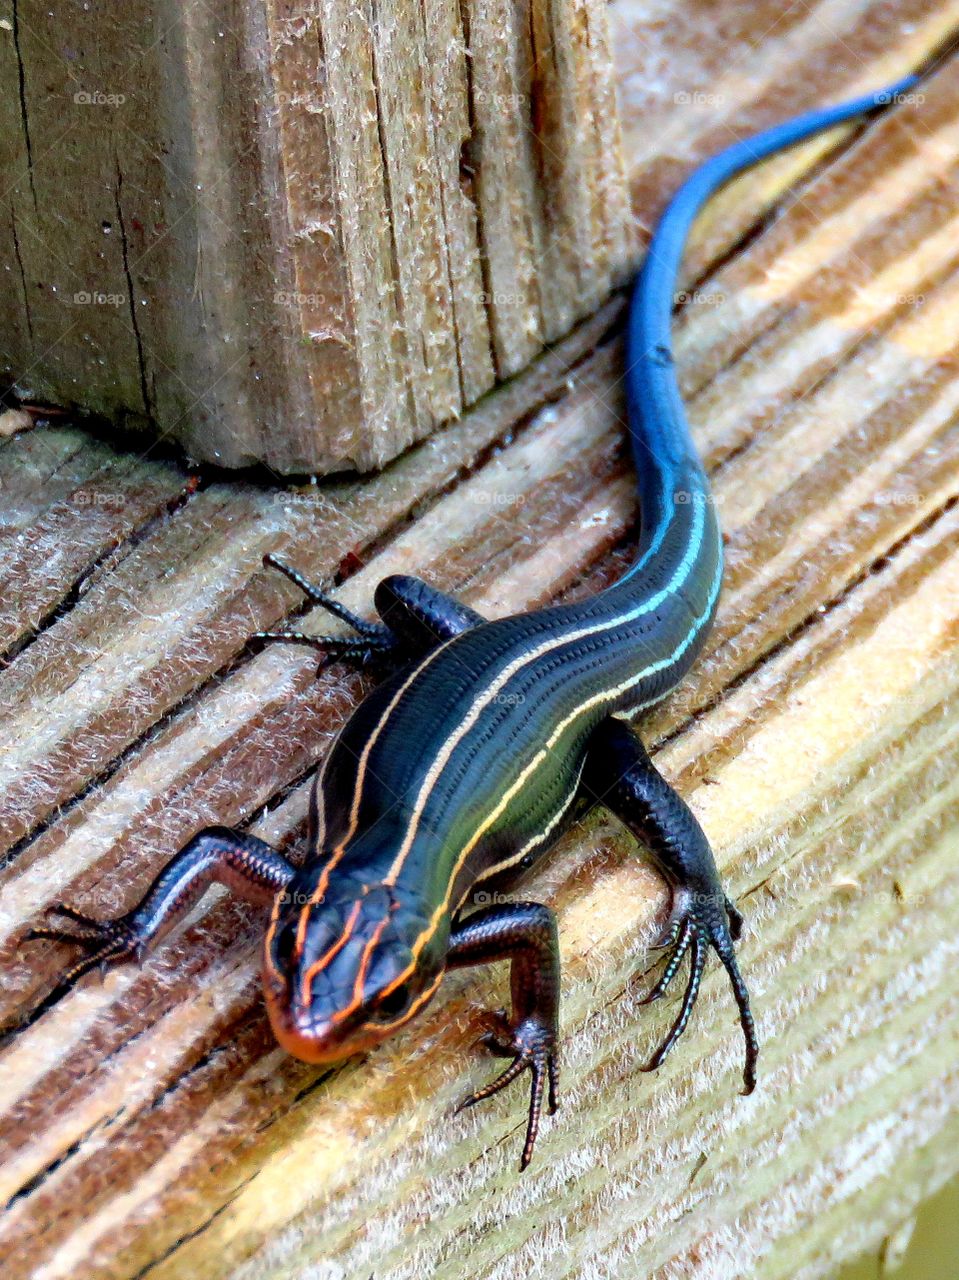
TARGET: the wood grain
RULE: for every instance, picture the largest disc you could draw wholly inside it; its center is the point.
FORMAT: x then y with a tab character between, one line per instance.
303	235
150	1127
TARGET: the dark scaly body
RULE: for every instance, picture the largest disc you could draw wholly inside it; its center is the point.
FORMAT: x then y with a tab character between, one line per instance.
469	759
510	706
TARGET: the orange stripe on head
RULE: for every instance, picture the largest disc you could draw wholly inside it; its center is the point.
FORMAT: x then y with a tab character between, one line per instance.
336	855
331	951
421	940
318	894
270	935
389	1027
357	999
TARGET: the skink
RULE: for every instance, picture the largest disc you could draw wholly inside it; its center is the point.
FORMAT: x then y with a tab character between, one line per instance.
480	748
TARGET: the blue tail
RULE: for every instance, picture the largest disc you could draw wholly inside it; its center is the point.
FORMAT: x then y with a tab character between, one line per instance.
657	421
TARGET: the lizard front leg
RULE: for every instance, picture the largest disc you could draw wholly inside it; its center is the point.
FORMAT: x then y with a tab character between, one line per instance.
245	864
525	934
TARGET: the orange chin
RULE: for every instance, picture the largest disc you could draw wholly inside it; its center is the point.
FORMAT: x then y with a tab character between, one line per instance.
322	1042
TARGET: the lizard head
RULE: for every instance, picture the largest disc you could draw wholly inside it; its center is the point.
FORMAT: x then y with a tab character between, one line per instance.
343	969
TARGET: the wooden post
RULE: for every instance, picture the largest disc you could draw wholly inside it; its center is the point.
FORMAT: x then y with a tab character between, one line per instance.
301	234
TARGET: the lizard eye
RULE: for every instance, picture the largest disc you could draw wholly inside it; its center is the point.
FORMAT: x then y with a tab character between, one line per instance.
395	1004
286	943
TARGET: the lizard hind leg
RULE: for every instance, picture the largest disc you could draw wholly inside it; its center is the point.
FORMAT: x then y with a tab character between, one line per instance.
372	639
416	618
702	918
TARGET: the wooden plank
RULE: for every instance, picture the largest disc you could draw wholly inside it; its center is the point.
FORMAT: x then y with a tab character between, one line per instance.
182	605
68	503
150	1126
804	832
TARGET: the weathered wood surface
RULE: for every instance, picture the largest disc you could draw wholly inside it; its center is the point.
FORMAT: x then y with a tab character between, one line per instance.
150	1126
301	234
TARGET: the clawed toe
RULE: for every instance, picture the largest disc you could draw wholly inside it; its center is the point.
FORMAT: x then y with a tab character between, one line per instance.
88	932
695	933
538	1056
362	649
372	638
681	943
735	920
694	944
497	1035
105	941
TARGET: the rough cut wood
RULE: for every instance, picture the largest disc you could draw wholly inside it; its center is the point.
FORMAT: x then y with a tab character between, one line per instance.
190	589
302	234
149	1125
